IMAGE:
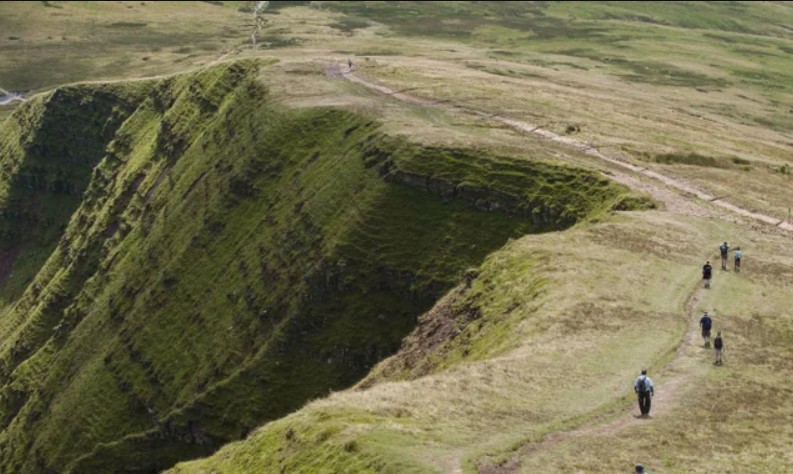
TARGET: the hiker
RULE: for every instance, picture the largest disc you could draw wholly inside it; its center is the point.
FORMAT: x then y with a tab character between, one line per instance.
724	249
738	254
718	348
349	64
644	388
705	323
707	273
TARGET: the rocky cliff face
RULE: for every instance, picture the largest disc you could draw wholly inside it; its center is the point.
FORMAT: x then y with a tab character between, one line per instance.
181	261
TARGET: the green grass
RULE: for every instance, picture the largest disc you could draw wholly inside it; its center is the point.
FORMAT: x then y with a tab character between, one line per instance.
231	259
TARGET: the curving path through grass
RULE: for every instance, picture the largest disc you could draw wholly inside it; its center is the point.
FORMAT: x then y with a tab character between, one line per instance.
673	201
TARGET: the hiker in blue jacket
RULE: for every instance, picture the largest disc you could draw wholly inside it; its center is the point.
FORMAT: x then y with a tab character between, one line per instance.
644	388
706	323
738	255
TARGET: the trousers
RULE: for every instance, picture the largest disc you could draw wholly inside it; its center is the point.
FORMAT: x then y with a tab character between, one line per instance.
644	402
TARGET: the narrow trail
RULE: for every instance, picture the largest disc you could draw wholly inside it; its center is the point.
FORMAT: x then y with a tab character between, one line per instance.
692	201
673	377
260	6
7	97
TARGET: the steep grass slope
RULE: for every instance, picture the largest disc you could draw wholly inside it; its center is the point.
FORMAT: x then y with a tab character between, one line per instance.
231	259
49	149
550	335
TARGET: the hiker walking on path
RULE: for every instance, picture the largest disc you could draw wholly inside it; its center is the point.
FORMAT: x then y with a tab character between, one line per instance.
718	348
725	253
707	273
644	388
738	254
349	64
706	323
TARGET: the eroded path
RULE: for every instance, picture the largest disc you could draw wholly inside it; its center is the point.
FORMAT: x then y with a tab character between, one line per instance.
686	198
8	97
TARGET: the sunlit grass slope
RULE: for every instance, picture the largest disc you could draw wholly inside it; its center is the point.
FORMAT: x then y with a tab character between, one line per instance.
48	152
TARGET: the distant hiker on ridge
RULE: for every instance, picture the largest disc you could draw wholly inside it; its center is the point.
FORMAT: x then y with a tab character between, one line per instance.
707	273
706	323
738	254
349	64
718	348
725	250
644	388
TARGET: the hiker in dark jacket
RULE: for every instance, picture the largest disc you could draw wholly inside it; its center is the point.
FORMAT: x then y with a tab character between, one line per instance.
644	388
718	348
707	273
725	254
706	323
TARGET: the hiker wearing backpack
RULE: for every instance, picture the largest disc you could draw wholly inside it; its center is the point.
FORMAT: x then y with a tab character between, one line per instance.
706	323
738	254
707	273
724	250
718	348
644	388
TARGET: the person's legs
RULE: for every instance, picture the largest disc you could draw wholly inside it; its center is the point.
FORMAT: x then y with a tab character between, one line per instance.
718	356
644	403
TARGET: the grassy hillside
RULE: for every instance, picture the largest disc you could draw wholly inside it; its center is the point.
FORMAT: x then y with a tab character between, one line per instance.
549	337
45	44
335	279
696	90
231	259
49	150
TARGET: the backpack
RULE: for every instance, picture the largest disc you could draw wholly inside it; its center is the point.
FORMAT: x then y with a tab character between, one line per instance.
717	344
642	385
724	249
706	322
